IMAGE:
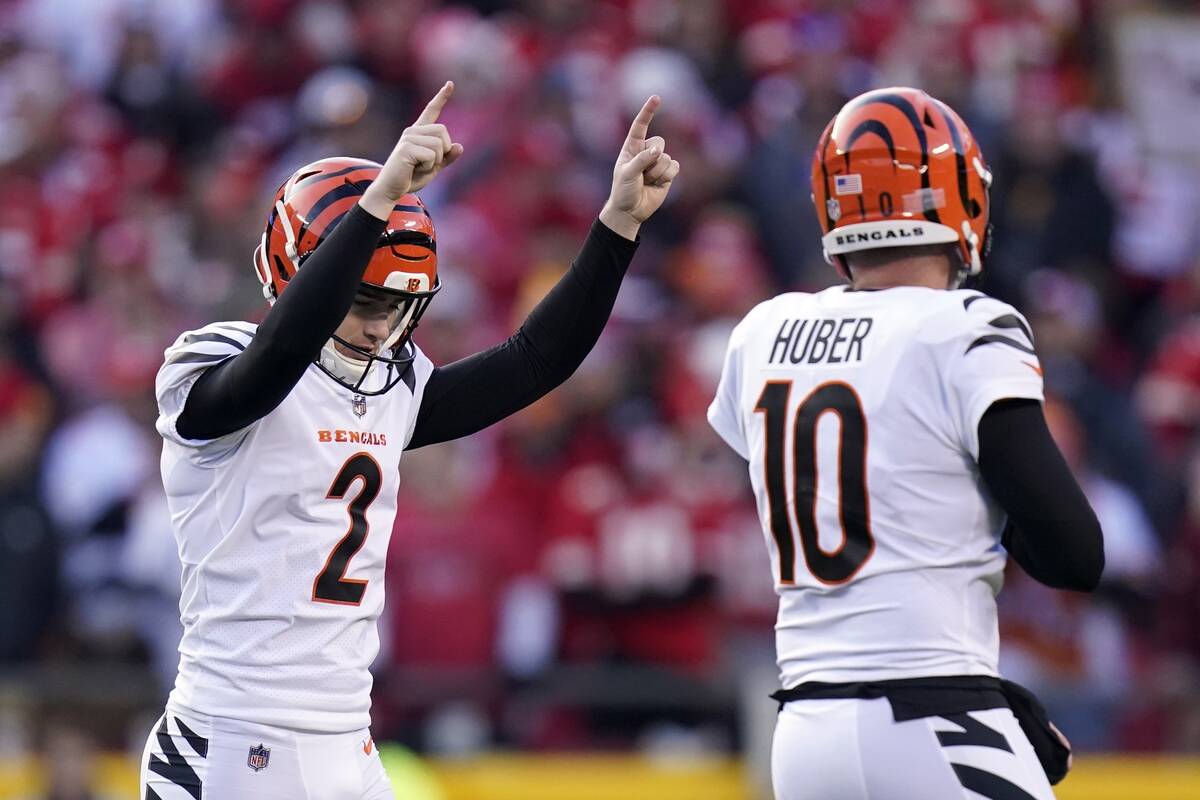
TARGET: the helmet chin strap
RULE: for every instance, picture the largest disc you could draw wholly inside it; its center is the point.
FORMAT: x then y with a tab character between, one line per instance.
346	368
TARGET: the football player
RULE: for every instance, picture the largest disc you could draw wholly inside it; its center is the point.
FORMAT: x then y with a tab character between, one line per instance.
895	440
282	443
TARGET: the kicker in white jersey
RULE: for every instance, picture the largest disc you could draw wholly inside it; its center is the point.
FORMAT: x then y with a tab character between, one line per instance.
858	412
283	545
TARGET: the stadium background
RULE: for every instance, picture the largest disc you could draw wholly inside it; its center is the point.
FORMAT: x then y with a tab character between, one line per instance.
588	577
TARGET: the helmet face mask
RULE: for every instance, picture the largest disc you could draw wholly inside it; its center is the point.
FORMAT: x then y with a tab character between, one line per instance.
898	168
402	269
394	353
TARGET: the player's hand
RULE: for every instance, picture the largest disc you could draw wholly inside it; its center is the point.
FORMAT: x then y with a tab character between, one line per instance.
1066	743
642	176
424	150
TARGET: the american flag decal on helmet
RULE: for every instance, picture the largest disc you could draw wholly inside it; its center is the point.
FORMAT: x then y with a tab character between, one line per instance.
847	184
259	757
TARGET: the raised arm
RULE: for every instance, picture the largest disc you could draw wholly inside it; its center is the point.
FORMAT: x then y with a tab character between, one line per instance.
244	388
468	395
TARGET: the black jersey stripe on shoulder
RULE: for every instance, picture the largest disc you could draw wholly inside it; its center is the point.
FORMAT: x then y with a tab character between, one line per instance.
228	327
152	795
237	325
193	338
198	358
967	302
410	372
1012	321
995	338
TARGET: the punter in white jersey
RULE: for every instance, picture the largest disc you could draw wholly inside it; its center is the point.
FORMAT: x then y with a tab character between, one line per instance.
281	453
895	441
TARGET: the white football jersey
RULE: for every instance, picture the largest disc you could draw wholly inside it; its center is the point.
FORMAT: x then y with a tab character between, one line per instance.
282	530
858	412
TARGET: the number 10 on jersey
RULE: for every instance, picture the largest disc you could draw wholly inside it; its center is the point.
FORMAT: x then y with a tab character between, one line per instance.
828	566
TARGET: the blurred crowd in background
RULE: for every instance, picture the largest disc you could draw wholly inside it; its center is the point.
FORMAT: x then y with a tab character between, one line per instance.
590	573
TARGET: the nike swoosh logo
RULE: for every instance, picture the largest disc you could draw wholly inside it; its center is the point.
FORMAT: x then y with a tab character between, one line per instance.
1033	367
368	745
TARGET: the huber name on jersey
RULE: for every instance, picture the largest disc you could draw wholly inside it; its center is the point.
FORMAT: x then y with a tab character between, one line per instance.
858	412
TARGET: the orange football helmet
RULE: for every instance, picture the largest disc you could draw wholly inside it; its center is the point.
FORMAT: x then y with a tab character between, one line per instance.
307	207
898	168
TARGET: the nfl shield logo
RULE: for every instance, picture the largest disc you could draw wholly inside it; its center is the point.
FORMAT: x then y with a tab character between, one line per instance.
258	758
834	208
360	405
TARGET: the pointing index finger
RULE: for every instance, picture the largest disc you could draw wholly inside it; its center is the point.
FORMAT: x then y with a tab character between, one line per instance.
430	114
641	123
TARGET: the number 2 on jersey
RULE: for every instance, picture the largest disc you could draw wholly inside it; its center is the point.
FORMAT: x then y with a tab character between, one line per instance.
840	565
332	585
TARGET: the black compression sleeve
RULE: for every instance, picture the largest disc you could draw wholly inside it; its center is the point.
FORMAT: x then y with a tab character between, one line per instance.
247	387
468	395
1052	531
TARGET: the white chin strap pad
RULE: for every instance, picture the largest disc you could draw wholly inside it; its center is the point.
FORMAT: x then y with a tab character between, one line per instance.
348	369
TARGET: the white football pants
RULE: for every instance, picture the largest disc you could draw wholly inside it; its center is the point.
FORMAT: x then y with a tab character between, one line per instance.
189	757
854	750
